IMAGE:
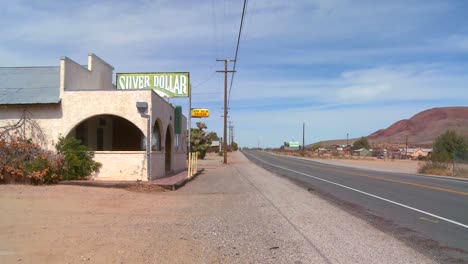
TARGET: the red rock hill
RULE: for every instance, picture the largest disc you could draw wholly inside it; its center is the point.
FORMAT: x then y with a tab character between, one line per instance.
425	126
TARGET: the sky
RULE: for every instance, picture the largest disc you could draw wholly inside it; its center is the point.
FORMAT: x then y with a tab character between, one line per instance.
339	66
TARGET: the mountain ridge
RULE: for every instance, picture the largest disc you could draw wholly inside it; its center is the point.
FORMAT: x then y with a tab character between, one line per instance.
425	126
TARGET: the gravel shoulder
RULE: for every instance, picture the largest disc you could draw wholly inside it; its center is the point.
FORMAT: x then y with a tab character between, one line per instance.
229	214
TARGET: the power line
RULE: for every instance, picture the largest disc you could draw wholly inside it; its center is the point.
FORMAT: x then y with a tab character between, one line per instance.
206	80
237	47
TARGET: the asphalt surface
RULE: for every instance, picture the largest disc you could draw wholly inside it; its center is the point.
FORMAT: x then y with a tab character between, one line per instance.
428	213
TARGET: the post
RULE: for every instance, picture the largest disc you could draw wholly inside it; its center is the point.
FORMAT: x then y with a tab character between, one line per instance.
225	110
303	138
226	61
347	144
189	169
406	152
196	163
148	146
190	119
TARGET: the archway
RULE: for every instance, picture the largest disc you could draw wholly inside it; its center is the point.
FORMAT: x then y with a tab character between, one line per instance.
157	135
109	133
168	150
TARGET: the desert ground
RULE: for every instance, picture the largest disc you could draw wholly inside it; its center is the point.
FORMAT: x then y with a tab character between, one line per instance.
229	214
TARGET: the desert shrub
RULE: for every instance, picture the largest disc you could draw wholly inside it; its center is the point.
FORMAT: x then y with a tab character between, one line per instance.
22	161
448	145
78	160
435	168
449	149
45	169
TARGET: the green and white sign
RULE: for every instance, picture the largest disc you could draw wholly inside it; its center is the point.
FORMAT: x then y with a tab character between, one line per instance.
293	144
166	84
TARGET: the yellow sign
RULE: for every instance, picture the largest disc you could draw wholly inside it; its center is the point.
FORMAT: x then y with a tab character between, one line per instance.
200	113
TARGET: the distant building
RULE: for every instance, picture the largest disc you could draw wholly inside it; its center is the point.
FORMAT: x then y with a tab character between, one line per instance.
362	152
415	153
215	146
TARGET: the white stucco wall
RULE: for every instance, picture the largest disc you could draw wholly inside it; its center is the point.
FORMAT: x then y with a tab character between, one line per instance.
97	75
47	117
121	165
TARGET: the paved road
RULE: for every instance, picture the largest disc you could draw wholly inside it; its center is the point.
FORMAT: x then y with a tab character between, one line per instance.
433	211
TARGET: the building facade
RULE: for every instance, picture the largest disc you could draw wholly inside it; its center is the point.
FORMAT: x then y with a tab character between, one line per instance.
72	100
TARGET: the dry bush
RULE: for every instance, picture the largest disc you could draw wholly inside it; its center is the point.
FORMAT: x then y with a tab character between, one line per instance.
22	161
435	168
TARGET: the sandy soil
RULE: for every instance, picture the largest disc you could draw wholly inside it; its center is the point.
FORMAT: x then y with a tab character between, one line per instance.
229	214
389	165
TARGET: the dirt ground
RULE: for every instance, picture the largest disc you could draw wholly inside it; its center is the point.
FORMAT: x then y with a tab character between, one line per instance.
389	165
229	214
72	224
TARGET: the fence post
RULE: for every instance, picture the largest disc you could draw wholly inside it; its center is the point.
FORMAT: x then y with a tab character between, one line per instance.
189	161
196	163
193	158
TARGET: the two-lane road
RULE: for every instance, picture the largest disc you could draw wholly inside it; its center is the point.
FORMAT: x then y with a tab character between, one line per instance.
429	211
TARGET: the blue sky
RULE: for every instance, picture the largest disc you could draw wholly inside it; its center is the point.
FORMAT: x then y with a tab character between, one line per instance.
340	66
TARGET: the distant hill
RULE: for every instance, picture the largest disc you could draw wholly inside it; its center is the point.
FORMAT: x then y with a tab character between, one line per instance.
425	126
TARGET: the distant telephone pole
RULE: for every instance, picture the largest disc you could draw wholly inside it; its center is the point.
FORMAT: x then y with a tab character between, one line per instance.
347	144
231	134
303	138
406	152
226	61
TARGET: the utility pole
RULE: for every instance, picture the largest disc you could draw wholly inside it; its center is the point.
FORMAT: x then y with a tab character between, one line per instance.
230	135
226	61
347	144
189	121
406	152
303	138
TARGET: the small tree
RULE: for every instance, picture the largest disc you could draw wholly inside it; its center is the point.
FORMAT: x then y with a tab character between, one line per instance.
199	141
361	143
234	146
448	145
79	161
213	136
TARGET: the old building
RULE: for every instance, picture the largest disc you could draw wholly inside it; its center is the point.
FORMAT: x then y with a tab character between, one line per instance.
81	101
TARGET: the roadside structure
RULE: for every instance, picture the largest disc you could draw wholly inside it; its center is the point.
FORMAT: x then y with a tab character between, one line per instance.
362	152
73	100
415	153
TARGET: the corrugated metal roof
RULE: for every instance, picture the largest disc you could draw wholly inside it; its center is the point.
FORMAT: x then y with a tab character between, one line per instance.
29	85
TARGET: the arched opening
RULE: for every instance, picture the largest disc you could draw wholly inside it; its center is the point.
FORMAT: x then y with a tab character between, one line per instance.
156	137
168	150
109	133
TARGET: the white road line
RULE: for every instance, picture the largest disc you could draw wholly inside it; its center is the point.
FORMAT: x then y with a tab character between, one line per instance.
366	193
371	170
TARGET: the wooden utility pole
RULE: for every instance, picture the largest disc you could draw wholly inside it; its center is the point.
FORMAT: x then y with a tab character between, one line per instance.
226	61
303	138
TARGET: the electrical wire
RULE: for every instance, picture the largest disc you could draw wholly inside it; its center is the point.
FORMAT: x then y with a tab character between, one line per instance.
244	9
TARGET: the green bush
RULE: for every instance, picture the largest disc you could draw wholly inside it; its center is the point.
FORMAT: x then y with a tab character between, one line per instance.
448	145
78	160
